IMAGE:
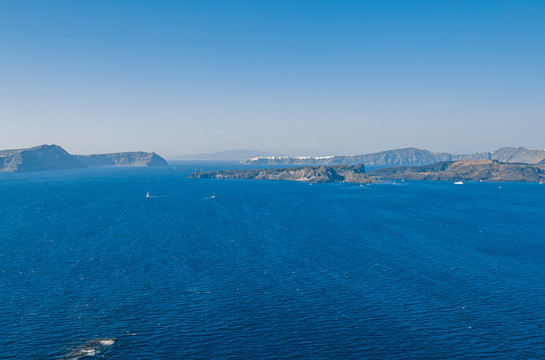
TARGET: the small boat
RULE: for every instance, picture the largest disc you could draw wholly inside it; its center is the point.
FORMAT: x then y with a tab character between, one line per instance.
148	195
458	183
213	196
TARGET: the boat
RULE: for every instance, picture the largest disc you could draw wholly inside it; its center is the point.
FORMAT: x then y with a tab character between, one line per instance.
148	195
458	183
213	196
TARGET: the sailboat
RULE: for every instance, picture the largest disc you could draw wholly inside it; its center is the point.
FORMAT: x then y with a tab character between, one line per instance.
148	195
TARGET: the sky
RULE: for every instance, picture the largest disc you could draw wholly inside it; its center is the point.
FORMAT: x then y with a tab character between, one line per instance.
297	77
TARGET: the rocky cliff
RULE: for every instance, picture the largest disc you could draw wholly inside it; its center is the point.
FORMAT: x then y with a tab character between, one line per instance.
467	170
311	174
407	157
54	157
137	158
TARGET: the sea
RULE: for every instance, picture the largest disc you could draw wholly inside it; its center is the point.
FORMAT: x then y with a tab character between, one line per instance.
90	267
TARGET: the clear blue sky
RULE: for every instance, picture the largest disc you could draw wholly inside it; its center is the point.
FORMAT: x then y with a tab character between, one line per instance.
298	77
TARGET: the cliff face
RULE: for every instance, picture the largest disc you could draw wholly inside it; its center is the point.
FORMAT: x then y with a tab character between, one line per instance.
408	157
54	157
138	158
467	170
229	155
311	174
518	155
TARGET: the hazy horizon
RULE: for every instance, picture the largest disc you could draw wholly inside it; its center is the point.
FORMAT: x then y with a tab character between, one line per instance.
300	78
243	153
281	154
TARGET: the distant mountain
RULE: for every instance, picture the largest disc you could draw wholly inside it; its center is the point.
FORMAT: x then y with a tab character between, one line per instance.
466	170
54	157
229	155
406	157
44	157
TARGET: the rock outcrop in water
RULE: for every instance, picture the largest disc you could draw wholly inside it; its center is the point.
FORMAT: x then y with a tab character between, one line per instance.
408	157
54	157
467	170
90	349
311	174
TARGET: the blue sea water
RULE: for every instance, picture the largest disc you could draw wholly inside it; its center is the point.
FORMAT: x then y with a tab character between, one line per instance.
268	270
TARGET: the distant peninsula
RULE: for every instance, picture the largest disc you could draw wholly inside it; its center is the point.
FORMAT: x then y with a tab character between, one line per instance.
54	157
406	157
466	170
310	174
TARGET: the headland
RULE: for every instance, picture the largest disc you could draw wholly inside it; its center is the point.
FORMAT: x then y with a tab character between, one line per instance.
54	157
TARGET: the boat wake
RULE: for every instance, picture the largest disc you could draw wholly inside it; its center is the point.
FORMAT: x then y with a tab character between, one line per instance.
90	348
210	197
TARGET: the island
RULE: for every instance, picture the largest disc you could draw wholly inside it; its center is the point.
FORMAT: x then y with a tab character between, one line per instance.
405	157
461	170
54	157
467	170
310	174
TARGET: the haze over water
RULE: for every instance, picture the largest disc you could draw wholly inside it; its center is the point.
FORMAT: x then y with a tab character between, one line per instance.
268	269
